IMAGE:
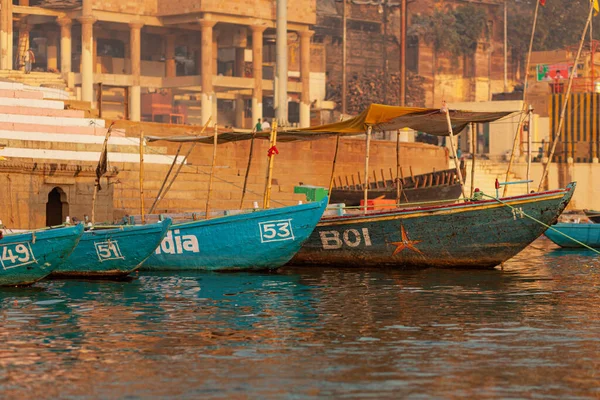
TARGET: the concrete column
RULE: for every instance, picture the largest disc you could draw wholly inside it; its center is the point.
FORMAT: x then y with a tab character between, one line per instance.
170	66
136	69
305	77
240	62
6	34
215	52
87	58
257	63
52	51
65	44
281	66
239	111
206	51
23	43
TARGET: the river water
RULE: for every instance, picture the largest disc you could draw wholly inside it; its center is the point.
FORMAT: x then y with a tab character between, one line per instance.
529	331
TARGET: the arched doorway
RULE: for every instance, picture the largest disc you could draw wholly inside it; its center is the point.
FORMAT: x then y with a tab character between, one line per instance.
57	207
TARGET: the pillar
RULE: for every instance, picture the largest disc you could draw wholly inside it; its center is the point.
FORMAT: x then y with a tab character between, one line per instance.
65	44
6	34
23	43
305	77
239	111
206	51
170	66
52	51
135	57
87	59
240	62
257	64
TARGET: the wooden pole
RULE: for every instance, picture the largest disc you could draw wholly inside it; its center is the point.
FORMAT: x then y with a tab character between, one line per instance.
456	164
212	170
337	147
158	195
403	21
344	56
529	147
183	162
564	106
525	88
97	182
398	162
142	176
368	151
268	184
248	168
473	151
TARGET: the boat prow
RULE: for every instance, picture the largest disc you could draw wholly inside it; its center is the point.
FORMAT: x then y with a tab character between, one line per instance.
28	257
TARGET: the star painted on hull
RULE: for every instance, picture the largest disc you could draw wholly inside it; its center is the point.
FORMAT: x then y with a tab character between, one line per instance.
406	243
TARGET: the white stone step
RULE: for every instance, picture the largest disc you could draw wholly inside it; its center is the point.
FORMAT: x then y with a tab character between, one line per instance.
54	121
51	104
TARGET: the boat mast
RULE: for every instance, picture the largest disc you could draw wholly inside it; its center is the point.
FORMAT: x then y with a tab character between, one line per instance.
248	168
344	55
212	170
97	183
473	151
522	118
529	128
398	168
335	155
271	155
564	105
142	176
368	150
451	135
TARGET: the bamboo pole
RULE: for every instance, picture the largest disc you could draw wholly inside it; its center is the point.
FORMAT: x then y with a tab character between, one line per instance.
564	106
456	164
473	151
368	151
248	168
97	183
142	176
158	195
212	170
182	163
335	155
268	184
529	147
521	118
398	156
344	56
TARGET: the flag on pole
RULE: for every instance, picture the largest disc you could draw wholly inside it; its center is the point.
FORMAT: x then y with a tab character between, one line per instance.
543	2
596	6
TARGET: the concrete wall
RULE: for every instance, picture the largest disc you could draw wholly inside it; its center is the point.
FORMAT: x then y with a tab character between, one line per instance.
139	7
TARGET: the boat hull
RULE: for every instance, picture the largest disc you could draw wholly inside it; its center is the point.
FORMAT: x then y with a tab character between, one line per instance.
112	253
26	258
259	240
442	194
585	233
593	215
468	235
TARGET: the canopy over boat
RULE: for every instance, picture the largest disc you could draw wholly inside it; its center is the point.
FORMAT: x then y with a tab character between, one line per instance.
378	116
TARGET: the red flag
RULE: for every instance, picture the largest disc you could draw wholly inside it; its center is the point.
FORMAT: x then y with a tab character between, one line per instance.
543	2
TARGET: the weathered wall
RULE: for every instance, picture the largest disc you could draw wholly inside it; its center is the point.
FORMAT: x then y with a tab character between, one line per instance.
26	189
302	11
138	7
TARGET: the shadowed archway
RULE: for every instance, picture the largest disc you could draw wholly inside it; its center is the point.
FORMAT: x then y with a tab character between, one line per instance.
57	207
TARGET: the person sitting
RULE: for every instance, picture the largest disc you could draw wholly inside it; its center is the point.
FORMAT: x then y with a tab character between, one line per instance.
258	126
266	126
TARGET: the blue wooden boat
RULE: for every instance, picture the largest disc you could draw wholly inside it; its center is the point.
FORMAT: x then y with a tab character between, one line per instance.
588	234
477	234
257	240
112	252
28	257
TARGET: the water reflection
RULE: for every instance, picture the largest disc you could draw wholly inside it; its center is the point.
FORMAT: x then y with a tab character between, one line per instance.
531	330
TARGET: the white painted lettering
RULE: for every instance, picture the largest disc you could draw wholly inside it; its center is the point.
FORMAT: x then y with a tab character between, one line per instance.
330	240
352	243
365	232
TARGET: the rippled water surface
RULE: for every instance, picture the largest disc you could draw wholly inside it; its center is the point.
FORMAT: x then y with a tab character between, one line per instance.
530	331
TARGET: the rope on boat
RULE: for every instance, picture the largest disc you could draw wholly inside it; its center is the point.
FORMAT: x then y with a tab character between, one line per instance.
543	224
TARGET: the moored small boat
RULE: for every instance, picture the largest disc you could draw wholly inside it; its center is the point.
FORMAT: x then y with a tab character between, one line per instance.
30	256
256	240
112	252
476	234
589	234
593	215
